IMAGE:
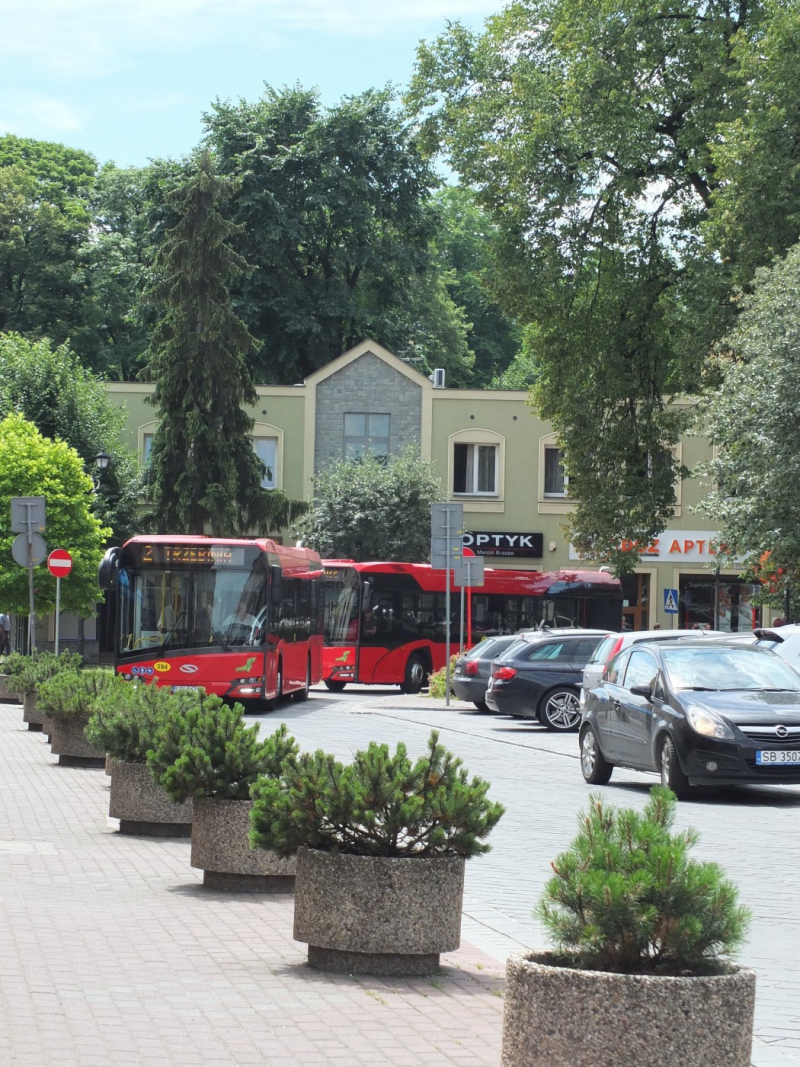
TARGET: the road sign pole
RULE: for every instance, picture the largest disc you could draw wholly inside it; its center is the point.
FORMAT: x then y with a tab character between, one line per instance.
447	615
461	622
58	609
31	611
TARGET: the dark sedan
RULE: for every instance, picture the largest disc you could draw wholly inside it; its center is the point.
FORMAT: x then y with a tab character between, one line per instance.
540	676
697	713
474	668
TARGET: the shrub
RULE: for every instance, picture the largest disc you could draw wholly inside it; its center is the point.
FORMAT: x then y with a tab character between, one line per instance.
207	751
13	664
72	694
437	682
626	897
125	721
379	805
41	666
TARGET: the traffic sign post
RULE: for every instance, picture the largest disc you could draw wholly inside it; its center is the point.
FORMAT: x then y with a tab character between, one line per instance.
59	563
28	518
447	531
671	604
469	576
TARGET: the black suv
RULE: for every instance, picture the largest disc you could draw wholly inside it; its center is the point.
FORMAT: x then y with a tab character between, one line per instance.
540	676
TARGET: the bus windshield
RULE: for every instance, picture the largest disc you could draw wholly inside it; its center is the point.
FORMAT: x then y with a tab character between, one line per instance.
342	601
166	609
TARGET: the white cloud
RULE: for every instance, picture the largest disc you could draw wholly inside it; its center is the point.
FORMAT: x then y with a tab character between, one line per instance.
86	38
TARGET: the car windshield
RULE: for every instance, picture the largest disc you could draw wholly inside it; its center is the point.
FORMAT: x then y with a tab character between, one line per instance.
727	669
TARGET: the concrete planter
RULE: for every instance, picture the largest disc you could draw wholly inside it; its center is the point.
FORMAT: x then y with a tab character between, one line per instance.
376	914
563	1017
30	712
47	726
7	694
142	806
220	847
68	742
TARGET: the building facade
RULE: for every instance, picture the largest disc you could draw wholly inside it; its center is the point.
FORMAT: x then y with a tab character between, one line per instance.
494	455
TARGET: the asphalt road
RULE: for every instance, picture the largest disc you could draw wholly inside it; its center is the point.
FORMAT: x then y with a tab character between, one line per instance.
752	832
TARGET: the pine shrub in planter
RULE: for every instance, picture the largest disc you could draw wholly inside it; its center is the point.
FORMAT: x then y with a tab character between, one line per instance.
641	970
381	845
10	668
68	698
125	725
211	756
33	672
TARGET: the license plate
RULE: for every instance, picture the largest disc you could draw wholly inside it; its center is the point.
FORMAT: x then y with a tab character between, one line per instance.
184	688
777	757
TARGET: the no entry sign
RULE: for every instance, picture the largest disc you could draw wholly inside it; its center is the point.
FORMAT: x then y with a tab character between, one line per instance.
59	562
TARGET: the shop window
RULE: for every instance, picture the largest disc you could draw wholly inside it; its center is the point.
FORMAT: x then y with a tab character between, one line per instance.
705	600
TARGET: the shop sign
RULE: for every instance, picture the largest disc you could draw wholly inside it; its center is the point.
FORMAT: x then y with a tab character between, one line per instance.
677	546
517	545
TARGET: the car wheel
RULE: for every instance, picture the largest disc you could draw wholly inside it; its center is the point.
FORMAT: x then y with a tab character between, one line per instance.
302	694
334	686
672	775
595	767
560	710
416	674
481	705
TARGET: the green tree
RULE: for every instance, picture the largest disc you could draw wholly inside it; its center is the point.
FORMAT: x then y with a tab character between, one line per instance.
752	420
464	246
51	389
33	465
204	471
336	215
589	129
365	509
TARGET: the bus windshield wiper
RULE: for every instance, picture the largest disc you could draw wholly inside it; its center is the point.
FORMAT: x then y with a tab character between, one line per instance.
221	639
170	635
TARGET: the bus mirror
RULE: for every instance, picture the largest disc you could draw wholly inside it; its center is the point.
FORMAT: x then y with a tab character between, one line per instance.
276	585
366	596
108	571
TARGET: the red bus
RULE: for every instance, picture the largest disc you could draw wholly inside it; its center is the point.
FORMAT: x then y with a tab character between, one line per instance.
242	619
385	622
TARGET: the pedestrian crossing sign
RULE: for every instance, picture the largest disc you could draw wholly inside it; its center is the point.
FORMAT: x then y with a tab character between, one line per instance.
671	601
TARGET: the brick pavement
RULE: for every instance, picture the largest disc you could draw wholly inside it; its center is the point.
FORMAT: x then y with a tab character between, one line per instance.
113	955
111	952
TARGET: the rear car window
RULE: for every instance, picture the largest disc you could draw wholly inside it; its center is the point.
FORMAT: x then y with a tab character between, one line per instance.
616	669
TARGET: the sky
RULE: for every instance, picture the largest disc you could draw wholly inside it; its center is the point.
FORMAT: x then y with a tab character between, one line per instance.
129	80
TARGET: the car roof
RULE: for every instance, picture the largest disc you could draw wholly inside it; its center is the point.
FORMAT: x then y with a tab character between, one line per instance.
777	633
563	631
696	642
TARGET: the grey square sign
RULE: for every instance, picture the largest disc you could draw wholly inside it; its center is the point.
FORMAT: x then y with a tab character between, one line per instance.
446	554
28	514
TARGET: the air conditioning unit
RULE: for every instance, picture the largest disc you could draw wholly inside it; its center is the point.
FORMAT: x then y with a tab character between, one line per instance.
438	378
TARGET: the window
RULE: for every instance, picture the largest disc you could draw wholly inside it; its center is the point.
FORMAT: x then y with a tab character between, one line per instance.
475	469
266	448
365	432
147	444
555	480
642	669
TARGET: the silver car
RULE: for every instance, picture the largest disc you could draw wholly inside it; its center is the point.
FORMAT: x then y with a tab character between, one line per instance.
593	671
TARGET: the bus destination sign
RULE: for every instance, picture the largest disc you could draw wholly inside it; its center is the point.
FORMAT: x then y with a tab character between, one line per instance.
161	555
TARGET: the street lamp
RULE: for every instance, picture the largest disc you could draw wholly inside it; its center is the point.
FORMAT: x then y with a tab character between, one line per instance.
101	460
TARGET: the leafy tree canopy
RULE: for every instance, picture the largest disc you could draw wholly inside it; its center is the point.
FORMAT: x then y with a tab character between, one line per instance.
752	419
204	471
51	389
365	509
33	465
592	132
336	216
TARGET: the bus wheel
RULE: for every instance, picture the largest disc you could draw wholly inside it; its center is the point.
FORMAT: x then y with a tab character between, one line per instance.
416	674
334	686
302	694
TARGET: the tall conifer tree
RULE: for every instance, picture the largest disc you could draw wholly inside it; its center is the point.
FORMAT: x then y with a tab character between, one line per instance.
204	472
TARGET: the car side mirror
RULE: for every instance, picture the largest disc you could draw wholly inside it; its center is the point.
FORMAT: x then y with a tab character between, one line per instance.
645	690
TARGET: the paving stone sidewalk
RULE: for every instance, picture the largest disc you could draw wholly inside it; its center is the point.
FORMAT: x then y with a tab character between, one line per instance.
113	955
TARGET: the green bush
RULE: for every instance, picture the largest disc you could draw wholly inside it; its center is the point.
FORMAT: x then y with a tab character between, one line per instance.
125	721
72	694
379	805
41	666
13	664
437	682
627	898
208	751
